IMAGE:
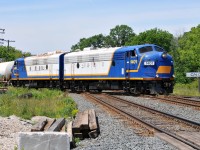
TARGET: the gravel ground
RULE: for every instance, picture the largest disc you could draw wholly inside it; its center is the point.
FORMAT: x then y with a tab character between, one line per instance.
114	134
9	126
181	111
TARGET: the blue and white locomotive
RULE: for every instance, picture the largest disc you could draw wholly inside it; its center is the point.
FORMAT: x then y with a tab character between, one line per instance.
136	69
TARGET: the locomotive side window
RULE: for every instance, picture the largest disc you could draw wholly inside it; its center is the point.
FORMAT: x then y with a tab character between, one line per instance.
159	49
145	49
77	65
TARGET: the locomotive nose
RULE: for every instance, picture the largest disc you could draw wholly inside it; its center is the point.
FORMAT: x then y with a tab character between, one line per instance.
164	66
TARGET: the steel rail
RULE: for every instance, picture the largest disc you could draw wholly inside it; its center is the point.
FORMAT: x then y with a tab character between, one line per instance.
190	143
178	100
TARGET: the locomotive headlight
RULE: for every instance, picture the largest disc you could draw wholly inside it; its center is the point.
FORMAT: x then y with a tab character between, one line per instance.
164	55
157	75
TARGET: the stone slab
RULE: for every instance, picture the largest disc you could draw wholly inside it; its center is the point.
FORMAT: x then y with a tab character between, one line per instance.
43	141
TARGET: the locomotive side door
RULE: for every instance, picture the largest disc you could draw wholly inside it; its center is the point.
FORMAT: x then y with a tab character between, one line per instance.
131	62
72	70
16	69
50	71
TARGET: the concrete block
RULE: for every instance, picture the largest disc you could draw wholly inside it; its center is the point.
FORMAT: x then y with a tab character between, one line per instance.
43	141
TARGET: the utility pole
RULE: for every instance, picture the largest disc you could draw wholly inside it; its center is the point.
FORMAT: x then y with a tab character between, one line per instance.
8	41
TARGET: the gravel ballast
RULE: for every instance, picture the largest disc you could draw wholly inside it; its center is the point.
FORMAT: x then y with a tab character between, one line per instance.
114	133
180	111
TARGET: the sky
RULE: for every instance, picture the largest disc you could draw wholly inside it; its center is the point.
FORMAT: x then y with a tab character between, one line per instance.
40	26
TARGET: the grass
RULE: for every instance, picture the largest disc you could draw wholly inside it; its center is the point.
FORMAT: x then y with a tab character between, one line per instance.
190	89
44	102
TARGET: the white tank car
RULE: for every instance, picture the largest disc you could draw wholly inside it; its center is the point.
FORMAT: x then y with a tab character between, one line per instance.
5	70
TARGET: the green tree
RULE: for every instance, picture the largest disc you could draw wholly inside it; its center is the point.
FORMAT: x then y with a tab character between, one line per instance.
120	34
96	41
118	37
12	54
153	36
189	54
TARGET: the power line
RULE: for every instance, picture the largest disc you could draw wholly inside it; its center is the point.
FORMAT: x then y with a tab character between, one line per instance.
3	31
1	40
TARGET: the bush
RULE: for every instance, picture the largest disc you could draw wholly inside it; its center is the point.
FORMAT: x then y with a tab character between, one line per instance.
190	89
44	102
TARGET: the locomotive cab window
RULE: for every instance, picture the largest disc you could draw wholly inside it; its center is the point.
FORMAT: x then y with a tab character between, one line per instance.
133	53
158	49
15	65
145	49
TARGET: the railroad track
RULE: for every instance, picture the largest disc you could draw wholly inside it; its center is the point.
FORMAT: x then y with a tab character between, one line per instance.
153	120
177	100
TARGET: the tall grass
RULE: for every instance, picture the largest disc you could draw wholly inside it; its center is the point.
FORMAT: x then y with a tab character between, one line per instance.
190	89
44	102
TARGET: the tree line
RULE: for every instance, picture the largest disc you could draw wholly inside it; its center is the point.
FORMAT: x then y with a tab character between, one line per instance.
11	54
184	48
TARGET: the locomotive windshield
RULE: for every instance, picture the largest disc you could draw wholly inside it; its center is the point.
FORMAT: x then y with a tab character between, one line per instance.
145	49
158	49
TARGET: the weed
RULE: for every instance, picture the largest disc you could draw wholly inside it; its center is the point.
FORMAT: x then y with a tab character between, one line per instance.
190	89
44	102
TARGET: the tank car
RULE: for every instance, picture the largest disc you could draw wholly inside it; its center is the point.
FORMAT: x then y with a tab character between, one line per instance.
5	70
